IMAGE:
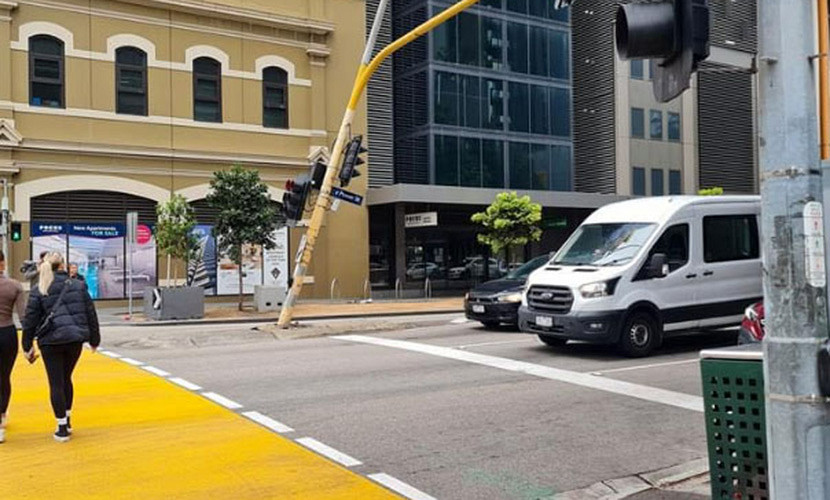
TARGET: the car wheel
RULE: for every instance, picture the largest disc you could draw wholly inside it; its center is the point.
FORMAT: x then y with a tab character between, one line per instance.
552	341
490	324
640	335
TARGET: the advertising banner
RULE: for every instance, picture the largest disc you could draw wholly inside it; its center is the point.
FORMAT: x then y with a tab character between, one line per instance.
276	260
228	274
144	260
201	271
48	237
98	251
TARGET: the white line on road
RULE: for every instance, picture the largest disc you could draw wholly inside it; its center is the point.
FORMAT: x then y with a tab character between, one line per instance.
501	342
186	384
329	452
459	321
110	354
222	400
131	361
267	422
401	487
646	393
643	367
156	371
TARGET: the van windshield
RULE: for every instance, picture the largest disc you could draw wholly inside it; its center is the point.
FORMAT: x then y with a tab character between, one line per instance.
604	244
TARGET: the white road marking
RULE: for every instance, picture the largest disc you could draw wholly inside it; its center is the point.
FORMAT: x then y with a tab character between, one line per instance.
131	361
401	487
501	342
222	400
186	384
459	321
643	367
156	371
329	452
646	393
110	354
268	422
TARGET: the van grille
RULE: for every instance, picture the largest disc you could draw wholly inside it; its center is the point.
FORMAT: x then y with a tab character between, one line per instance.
552	299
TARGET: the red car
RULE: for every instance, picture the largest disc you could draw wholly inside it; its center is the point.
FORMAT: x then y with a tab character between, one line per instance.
752	326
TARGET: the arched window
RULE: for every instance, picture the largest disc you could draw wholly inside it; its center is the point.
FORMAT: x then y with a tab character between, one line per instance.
274	97
207	90
131	81
46	71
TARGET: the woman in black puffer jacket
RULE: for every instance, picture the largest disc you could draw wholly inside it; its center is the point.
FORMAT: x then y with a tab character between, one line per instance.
61	319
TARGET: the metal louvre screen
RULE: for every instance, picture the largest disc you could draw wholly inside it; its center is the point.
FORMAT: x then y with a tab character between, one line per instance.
92	206
592	33
725	131
380	139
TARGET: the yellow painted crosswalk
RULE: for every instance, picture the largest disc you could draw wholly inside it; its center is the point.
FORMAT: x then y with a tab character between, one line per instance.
140	436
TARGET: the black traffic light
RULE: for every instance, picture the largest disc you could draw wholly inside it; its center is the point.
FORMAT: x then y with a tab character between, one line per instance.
352	160
295	197
16	231
318	173
674	32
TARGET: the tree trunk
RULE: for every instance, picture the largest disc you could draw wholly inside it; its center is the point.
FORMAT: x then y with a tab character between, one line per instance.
175	276
239	267
168	269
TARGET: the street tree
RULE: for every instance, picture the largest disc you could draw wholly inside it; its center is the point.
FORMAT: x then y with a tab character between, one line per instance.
246	215
510	221
174	231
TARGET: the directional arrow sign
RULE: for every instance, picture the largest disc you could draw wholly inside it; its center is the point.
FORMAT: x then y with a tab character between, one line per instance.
342	194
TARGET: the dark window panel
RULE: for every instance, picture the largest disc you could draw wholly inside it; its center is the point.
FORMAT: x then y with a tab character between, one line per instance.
492	163
519	107
274	98
657	182
46	71
637	69
560	54
491	43
730	238
470	162
538	51
517	52
561	15
519	165
468	39
444	38
561	168
675	182
540	167
471	102
446	98
656	127
638	181
560	112
539	110
519	6
207	90
538	8
493	111
47	95
638	123
446	160
673	126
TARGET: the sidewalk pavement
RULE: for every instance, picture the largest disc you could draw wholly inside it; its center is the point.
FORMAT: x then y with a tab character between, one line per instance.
137	435
305	310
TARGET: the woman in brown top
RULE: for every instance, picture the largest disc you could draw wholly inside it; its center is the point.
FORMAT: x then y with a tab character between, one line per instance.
11	299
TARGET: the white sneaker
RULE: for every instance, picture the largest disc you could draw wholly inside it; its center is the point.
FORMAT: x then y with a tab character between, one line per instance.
3	421
2	435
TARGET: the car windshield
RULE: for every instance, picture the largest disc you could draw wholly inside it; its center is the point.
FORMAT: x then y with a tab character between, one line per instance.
523	271
612	244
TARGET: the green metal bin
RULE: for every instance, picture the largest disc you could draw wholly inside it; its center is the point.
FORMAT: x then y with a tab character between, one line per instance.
733	395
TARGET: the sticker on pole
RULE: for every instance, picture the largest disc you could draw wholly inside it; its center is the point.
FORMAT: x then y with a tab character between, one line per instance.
814	244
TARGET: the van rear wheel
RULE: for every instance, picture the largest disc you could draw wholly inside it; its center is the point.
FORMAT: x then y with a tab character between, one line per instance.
640	335
552	341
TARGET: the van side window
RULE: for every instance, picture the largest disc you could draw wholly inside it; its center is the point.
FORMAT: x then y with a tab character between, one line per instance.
674	244
730	237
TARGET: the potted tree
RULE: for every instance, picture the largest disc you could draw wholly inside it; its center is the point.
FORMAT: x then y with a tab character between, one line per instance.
246	216
175	240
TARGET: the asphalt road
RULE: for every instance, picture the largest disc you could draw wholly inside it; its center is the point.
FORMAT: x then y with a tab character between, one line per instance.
452	409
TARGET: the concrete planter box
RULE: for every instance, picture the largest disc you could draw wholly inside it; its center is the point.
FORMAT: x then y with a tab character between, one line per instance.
176	303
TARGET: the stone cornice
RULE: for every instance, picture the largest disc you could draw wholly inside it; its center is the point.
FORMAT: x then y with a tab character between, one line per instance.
7	5
241	14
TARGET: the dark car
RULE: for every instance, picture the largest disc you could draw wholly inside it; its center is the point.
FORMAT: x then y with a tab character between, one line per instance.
752	326
497	301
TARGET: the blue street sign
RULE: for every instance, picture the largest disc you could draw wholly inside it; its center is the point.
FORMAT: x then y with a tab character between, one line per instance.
342	194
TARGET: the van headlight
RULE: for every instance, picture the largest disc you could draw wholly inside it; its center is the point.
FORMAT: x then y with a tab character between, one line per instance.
510	297
598	289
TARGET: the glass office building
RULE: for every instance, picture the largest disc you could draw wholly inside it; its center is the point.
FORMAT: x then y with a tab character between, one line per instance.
481	105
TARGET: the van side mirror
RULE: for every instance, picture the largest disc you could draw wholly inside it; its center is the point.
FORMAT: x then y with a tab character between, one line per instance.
658	266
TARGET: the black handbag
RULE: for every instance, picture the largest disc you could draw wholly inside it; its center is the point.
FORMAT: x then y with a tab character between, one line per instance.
46	324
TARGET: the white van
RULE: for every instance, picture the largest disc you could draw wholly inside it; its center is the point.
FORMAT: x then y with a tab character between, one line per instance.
640	270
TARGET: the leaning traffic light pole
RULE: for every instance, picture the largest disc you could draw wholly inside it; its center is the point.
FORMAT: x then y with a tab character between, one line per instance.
368	67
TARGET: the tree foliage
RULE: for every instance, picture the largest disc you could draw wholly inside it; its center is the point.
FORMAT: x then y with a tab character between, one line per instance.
511	220
246	215
174	229
712	191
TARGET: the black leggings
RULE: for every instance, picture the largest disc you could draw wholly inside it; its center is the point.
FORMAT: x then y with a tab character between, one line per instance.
60	361
8	354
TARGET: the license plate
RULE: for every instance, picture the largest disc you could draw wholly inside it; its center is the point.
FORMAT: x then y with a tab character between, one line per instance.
478	309
544	321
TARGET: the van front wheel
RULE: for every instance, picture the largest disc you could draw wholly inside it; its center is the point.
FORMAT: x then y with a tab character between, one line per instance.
552	341
640	335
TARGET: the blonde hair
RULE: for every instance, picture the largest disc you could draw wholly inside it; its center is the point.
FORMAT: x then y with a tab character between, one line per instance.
51	263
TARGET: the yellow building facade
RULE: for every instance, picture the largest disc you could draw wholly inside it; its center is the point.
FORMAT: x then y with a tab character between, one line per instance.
109	106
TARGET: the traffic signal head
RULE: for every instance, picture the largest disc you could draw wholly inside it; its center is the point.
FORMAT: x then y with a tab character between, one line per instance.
674	32
294	199
16	231
352	160
318	173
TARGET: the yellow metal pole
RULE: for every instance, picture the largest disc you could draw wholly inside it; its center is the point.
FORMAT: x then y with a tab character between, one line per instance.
364	73
824	79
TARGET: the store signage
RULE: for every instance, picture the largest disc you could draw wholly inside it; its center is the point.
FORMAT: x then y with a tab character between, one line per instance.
423	219
556	222
342	194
